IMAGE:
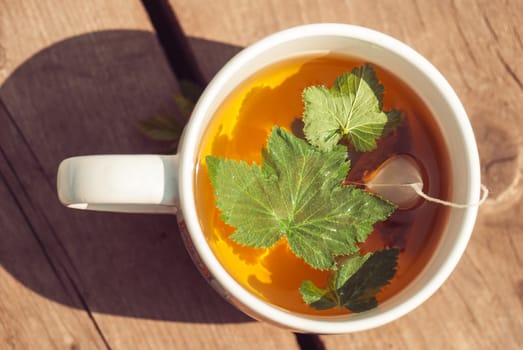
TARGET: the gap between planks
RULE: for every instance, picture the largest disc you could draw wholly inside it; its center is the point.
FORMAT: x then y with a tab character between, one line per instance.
12	181
183	64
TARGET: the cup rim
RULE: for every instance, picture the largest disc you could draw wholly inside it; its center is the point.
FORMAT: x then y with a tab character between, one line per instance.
188	154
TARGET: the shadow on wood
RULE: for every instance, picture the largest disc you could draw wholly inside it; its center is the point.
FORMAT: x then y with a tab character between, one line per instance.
83	96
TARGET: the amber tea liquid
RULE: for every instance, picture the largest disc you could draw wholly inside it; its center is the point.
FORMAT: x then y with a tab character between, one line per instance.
240	128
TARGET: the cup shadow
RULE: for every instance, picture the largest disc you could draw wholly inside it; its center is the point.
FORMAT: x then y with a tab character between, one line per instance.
83	96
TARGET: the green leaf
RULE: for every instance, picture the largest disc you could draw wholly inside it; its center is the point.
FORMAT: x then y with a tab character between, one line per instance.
190	90
185	106
168	128
318	298
355	284
161	128
297	192
351	110
190	93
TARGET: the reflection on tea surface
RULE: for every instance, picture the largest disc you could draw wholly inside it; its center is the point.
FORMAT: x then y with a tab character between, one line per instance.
272	97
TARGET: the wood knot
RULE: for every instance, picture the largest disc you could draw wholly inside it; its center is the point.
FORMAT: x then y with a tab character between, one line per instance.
501	163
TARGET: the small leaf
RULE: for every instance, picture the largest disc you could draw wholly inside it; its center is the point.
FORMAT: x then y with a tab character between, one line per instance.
359	292
190	90
350	110
356	283
317	297
161	128
347	268
167	128
185	105
394	119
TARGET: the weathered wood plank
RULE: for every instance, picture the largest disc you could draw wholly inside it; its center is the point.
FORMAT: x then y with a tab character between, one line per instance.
26	266
75	79
477	45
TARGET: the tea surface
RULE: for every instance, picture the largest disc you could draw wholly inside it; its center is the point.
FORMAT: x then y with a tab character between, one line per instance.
239	130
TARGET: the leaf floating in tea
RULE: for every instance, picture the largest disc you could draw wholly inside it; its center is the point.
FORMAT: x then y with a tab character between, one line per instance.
297	192
356	282
351	109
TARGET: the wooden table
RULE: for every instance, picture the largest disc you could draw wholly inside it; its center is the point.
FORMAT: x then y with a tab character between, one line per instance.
75	76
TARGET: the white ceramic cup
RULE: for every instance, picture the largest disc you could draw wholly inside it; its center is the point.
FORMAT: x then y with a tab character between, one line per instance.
164	184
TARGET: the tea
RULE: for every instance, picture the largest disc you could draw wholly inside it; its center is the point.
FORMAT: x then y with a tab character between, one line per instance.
239	130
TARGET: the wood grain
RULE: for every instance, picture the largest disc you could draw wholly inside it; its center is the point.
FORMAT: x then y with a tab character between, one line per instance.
478	46
75	78
23	313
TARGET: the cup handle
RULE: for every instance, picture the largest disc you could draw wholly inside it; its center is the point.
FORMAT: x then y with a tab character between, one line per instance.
120	183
